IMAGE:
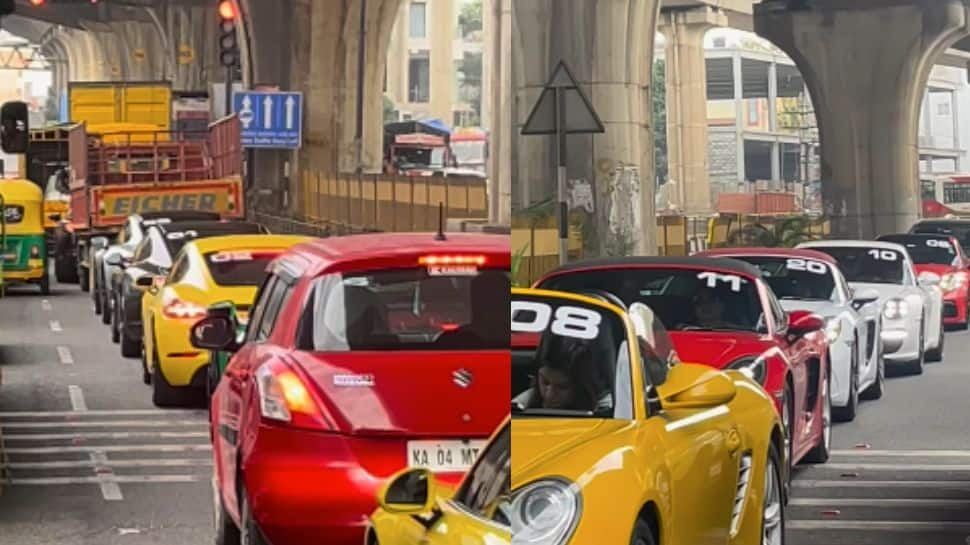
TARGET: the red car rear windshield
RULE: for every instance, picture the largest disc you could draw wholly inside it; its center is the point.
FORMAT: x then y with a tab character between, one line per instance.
239	267
409	309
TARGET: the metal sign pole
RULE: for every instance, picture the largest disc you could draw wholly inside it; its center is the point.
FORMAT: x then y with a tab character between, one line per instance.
561	177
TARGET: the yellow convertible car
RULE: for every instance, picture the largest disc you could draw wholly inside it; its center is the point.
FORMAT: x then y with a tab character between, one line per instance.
205	272
617	442
414	508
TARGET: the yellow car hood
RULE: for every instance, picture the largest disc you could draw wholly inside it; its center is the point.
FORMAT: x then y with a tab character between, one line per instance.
541	445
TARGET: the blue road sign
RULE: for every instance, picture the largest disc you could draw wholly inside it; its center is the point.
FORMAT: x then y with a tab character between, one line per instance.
270	119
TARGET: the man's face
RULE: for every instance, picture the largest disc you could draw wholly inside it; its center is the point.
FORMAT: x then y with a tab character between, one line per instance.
708	309
555	388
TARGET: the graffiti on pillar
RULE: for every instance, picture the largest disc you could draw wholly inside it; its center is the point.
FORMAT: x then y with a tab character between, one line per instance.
580	194
186	54
624	216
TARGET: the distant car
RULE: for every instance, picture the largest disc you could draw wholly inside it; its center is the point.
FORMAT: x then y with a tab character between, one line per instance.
153	257
957	227
912	305
942	255
364	355
206	271
721	313
808	280
616	440
478	513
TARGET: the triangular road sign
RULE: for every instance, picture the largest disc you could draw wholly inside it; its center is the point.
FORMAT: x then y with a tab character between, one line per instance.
580	117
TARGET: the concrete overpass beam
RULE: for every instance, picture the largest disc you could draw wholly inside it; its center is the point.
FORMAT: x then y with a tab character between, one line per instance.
866	66
609	46
687	139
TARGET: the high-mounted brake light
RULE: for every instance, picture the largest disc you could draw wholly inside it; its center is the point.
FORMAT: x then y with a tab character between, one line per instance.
284	397
180	310
439	260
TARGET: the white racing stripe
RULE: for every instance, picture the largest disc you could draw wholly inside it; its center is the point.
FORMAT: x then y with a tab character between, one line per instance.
107	435
56	326
111	481
64	354
103	424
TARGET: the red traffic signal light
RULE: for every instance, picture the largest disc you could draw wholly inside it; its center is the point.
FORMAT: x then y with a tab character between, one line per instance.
227	10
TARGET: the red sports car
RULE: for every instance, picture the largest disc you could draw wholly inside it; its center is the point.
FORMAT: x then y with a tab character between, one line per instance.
364	355
942	254
721	313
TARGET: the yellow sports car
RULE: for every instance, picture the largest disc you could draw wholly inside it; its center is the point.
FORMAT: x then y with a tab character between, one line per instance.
617	442
414	508
206	271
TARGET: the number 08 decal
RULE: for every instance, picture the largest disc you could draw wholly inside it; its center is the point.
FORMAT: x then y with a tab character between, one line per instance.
577	322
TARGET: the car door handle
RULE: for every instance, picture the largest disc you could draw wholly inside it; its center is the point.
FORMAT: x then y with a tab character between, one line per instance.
733	441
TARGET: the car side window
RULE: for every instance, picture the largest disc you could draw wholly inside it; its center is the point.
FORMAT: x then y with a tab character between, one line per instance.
277	298
178	270
259	309
143	250
780	316
486	490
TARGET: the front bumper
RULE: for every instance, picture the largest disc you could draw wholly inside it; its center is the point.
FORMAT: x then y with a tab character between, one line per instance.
899	344
955	309
303	484
33	272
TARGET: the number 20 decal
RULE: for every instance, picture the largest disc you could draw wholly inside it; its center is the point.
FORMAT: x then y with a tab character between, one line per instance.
575	322
814	267
884	255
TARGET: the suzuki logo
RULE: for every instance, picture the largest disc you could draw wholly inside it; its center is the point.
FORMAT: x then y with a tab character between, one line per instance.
462	378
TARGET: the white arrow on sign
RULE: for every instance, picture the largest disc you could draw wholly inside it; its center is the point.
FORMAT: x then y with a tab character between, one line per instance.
290	103
246	113
268	112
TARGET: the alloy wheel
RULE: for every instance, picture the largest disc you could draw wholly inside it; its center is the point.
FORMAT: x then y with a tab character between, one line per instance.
772	524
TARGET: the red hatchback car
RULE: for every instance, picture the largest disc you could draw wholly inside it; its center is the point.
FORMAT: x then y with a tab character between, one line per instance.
363	355
942	254
720	312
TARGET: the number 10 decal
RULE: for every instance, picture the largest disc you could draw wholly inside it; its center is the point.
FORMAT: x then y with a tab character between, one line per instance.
574	322
884	255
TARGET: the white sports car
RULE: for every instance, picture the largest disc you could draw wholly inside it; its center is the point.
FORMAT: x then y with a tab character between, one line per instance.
912	308
810	280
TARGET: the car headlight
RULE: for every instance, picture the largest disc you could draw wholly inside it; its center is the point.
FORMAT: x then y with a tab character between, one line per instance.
545	512
754	367
953	281
895	309
833	330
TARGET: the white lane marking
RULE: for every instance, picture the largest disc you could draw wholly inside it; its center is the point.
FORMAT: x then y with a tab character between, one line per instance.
904	453
878	502
131	412
108	435
879	525
102	424
106	477
114	479
77	398
45	304
64	353
851	483
111	448
170	462
697	418
56	326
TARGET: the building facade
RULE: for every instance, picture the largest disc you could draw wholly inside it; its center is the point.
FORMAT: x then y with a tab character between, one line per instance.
436	60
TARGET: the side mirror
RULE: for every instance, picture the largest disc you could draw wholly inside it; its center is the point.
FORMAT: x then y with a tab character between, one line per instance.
114	259
214	333
928	279
145	281
98	243
801	323
864	297
693	387
409	492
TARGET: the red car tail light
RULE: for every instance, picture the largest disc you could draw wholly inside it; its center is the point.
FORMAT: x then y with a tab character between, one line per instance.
178	310
439	260
285	397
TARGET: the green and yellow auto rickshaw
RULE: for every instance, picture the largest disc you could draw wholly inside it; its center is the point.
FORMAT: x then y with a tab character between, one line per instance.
25	248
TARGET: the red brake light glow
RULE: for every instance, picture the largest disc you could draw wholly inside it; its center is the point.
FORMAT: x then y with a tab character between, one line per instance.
284	397
439	260
180	310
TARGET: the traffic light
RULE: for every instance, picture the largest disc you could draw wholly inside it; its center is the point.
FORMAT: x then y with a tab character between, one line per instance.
14	129
7	7
228	45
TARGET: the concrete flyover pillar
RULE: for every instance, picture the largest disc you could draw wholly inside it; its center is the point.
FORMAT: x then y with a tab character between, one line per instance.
609	46
686	75
866	64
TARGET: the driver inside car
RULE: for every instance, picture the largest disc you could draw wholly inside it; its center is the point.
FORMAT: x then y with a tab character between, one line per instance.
566	380
709	309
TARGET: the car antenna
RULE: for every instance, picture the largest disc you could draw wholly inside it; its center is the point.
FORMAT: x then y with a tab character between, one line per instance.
441	222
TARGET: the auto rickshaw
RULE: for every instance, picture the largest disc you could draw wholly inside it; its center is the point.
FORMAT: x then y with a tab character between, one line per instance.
25	250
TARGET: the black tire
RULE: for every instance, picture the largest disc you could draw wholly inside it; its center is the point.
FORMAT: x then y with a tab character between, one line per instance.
98	307
130	348
45	284
227	533
84	279
64	271
848	413
163	393
642	534
250	533
105	307
146	377
915	367
878	388
937	353
115	321
820	454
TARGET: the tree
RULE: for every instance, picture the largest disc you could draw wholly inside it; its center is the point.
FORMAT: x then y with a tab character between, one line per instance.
390	110
660	119
470	17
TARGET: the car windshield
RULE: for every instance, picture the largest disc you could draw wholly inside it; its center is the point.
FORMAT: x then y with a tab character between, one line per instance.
867	265
239	267
959	230
569	358
795	278
410	309
687	299
926	251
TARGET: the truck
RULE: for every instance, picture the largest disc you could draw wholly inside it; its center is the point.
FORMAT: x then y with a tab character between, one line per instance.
115	173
